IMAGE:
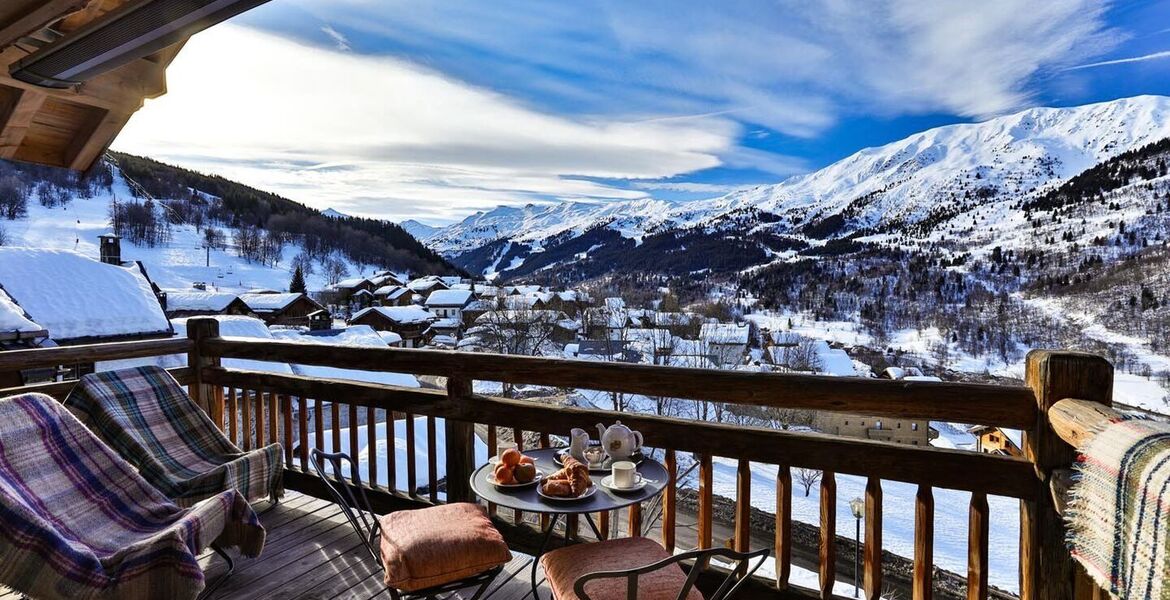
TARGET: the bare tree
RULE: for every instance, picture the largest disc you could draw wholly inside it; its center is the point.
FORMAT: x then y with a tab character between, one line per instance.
524	332
807	478
335	269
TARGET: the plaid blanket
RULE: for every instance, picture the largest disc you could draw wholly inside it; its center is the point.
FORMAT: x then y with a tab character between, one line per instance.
145	415
1119	514
76	521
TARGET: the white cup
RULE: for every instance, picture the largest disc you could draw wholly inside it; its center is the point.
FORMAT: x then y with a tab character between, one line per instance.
503	447
625	474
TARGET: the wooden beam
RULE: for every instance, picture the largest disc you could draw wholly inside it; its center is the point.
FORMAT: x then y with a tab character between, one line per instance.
954	469
18	360
42	14
61	389
959	402
16	118
1046	567
1077	421
96	137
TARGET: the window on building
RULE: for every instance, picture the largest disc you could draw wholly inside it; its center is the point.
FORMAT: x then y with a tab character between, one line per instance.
914	426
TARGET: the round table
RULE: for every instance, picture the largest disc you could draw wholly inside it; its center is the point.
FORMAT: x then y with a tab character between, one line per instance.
526	499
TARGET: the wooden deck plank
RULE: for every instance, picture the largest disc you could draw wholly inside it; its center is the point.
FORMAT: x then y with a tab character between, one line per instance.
312	552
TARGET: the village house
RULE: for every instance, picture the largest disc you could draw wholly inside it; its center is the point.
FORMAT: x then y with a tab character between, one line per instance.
423	286
195	303
911	432
386	278
727	342
97	302
393	295
448	303
293	309
411	323
995	440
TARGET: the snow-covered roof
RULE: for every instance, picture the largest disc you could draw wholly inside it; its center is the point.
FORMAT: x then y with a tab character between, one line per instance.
444	340
362	336
384	279
568	296
12	317
403	315
834	361
346	284
724	333
238	326
449	298
520	302
269	302
197	300
391	292
425	283
390	337
450	323
74	296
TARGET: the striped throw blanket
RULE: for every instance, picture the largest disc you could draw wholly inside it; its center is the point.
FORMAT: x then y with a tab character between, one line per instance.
147	417
76	521
1119	514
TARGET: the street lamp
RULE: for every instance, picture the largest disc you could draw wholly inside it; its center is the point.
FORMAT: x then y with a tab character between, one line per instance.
857	505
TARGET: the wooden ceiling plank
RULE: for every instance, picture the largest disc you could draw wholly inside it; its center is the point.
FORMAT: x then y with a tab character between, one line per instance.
91	146
40	16
17	120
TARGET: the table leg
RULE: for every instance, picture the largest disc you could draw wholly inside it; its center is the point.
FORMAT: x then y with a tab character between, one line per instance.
548	533
593	526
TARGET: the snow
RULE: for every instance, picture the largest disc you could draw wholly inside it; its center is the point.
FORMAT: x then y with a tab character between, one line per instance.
238	326
390	337
269	302
12	317
197	300
449	298
403	315
73	296
834	361
381	450
362	336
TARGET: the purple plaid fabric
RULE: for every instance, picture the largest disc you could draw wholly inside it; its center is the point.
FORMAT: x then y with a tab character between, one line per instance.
76	521
145	415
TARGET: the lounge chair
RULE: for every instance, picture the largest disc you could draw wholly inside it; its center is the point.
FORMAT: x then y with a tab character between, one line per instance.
145	415
639	568
422	552
77	521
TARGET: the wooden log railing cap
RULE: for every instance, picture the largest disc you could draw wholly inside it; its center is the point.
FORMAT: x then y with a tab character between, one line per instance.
1004	406
18	360
1077	421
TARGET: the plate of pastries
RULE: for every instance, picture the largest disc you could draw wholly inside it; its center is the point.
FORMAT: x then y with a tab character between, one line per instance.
514	470
572	482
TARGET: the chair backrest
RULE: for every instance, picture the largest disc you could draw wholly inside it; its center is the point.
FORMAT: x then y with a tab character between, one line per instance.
354	504
744	565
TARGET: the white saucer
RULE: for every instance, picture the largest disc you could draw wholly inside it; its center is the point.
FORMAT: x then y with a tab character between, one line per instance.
607	483
588	492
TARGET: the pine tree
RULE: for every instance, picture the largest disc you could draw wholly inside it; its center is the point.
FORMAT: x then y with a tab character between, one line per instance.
298	281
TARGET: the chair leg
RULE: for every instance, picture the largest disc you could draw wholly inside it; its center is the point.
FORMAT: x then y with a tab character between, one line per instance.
219	581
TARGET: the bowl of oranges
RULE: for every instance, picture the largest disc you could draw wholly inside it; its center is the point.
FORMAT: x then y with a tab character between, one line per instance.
514	470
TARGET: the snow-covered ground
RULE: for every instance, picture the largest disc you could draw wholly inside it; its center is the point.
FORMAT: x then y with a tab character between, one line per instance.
175	264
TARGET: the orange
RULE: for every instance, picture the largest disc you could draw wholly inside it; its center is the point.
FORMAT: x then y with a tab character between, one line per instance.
527	460
510	457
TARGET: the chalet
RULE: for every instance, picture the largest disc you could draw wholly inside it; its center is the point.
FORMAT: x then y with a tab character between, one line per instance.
386	278
194	303
411	323
524	302
393	295
97	302
423	286
283	308
448	303
476	308
348	291
727	342
604	323
910	432
996	440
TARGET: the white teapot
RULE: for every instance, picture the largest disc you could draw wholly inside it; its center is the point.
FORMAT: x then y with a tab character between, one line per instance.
619	441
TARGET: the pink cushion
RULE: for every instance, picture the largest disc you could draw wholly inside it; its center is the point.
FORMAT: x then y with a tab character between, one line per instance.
439	544
564	566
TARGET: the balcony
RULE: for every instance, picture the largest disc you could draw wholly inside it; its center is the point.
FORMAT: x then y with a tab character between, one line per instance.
315	556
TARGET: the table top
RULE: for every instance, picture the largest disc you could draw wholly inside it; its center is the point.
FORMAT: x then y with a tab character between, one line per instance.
526	499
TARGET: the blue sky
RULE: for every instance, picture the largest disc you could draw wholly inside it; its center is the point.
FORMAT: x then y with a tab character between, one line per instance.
432	110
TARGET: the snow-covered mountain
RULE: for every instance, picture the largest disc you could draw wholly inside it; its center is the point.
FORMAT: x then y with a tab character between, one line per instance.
335	214
918	188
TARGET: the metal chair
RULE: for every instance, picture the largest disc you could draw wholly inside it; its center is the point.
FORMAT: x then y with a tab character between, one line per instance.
744	568
358	511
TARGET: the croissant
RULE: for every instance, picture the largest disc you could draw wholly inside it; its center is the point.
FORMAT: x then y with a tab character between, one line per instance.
572	480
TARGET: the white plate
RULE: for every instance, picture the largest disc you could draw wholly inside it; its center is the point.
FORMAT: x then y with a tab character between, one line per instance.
607	483
492	480
588	492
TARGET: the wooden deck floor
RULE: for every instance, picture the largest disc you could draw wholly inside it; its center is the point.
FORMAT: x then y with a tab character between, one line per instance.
312	552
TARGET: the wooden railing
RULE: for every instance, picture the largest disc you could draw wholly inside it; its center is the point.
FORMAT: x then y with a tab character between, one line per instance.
256	408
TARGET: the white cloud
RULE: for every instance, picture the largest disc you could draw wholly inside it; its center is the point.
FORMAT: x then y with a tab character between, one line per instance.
380	136
338	38
1122	61
689	187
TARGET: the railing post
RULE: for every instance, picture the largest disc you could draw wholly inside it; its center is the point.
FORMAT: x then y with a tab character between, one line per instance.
1046	568
202	393
460	445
